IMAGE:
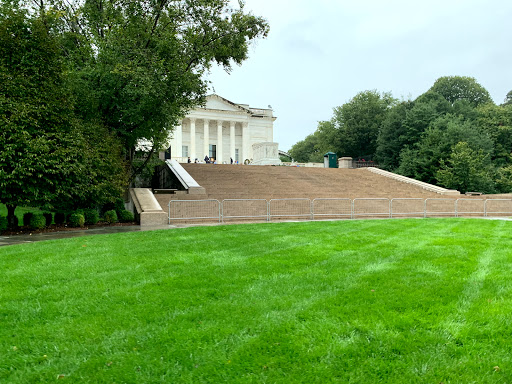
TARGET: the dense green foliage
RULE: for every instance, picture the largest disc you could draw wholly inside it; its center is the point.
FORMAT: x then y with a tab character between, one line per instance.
138	66
111	217
386	301
37	221
49	218
47	154
352	131
27	217
126	216
60	218
83	82
3	223
91	216
452	135
76	220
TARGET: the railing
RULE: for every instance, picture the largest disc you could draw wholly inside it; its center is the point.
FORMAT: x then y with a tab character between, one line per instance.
333	208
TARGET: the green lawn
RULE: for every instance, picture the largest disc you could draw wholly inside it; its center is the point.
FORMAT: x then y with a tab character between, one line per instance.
369	301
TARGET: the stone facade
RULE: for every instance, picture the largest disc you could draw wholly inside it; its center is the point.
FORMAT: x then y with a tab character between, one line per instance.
222	130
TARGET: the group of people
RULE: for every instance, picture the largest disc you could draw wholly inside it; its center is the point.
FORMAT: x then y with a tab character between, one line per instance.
207	160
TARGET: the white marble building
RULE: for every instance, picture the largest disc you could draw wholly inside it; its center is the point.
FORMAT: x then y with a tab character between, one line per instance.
223	130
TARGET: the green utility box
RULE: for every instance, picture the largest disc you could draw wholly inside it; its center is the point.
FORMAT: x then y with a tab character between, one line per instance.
330	160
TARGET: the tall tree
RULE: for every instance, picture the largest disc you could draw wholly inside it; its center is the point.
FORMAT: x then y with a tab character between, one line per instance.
422	160
466	170
358	122
392	136
44	154
139	66
454	88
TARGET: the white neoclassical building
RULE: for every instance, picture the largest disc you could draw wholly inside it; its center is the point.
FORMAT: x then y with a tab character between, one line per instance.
223	130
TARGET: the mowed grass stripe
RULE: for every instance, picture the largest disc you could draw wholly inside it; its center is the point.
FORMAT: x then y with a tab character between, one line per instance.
355	301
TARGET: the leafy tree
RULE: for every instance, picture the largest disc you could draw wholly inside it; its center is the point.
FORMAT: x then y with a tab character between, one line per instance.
466	170
504	179
422	160
138	66
508	99
454	88
497	122
358	122
390	140
304	150
45	156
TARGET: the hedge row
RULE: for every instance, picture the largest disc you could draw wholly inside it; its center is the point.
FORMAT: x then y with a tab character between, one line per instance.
79	218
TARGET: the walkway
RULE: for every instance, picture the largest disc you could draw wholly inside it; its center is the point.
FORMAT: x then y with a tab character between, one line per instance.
23	239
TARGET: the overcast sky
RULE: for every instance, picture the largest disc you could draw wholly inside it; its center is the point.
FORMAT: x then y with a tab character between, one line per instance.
321	53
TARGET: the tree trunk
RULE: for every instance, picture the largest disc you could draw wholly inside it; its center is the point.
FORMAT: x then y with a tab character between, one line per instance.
12	220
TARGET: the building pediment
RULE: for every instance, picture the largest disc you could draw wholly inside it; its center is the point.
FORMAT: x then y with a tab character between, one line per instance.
216	102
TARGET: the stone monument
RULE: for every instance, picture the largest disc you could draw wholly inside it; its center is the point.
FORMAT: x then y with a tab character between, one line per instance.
266	153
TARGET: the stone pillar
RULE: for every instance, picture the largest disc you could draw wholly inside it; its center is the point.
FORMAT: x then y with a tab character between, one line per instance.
232	140
345	162
206	146
220	146
193	153
179	142
245	142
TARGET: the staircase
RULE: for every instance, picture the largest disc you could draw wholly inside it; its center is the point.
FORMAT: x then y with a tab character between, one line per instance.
226	181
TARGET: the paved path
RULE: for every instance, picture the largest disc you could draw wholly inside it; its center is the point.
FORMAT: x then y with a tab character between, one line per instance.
21	239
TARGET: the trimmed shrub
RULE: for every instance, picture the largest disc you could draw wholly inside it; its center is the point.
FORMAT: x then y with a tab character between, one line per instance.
60	218
27	217
49	218
119	204
76	220
3	223
91	216
126	216
111	216
37	221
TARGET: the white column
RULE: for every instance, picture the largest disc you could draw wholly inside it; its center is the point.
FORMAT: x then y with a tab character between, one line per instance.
179	141
245	142
232	139
193	153
206	147
220	146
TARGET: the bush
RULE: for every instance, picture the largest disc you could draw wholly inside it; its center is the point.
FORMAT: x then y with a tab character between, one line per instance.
37	221
126	216
116	205
119	204
49	218
111	216
60	218
3	223
91	216
26	218
76	220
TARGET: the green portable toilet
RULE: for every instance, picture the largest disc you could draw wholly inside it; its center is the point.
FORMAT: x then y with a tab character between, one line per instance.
330	160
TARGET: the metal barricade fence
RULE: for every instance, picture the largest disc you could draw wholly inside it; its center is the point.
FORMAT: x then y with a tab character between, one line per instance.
440	207
469	207
331	207
371	207
334	207
195	210
408	207
289	208
498	207
244	209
